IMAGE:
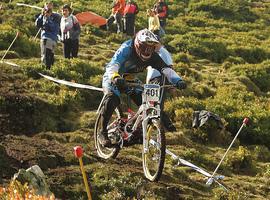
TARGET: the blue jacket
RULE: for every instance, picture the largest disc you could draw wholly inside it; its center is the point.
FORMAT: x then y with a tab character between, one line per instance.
50	26
125	60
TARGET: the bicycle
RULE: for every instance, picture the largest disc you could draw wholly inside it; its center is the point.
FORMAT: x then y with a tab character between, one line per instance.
145	121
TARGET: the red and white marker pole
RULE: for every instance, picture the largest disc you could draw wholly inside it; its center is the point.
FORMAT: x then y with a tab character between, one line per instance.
210	180
78	151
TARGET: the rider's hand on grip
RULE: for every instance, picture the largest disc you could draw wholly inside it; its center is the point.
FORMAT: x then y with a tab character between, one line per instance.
181	85
119	82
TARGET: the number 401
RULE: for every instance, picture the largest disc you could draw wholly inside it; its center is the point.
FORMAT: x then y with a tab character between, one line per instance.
152	92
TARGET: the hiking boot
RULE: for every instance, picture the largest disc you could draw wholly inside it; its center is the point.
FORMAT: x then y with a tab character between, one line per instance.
104	139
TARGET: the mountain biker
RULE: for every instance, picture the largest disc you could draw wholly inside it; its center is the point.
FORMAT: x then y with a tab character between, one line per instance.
133	57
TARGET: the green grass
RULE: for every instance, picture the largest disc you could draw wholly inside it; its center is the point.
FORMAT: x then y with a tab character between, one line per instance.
221	48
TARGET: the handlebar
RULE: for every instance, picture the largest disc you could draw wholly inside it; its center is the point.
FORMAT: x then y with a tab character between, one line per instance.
130	84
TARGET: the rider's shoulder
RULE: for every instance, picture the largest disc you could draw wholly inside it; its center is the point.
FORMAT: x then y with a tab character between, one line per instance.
127	44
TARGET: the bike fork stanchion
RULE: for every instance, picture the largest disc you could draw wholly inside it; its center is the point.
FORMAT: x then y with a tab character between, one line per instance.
78	151
210	180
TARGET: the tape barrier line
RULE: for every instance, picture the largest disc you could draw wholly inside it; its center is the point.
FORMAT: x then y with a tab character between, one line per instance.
30	6
192	166
10	63
71	84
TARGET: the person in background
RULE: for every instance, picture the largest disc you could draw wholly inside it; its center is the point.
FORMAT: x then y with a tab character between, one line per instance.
50	26
49	5
117	15
131	10
161	8
153	22
70	33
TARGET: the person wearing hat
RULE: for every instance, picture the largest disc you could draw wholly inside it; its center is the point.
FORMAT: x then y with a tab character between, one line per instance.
70	33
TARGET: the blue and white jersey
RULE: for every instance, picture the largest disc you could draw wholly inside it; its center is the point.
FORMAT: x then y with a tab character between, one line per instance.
126	61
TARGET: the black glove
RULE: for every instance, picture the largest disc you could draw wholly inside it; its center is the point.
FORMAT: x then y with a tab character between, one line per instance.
181	85
120	82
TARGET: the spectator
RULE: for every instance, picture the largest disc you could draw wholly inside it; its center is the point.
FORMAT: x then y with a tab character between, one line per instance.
117	14
153	22
161	9
49	25
49	5
70	33
131	9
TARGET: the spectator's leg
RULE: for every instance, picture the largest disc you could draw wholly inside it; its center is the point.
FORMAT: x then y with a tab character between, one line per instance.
48	58
131	24
43	50
162	22
49	52
125	24
119	22
67	48
110	20
53	47
74	48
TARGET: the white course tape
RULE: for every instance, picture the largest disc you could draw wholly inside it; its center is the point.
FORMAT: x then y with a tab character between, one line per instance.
76	85
10	63
192	166
30	6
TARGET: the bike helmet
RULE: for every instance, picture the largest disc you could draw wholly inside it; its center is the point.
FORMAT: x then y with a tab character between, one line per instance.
145	43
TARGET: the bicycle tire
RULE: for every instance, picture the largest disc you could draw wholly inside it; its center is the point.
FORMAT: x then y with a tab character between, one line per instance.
154	175
105	152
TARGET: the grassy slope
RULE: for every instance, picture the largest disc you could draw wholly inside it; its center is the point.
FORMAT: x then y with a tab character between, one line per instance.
59	118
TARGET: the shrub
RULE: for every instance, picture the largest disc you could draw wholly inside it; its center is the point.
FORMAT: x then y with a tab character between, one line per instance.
22	46
233	104
16	190
251	54
235	60
182	57
262	153
182	103
240	161
231	10
183	117
259	74
251	86
220	194
203	91
211	133
201	46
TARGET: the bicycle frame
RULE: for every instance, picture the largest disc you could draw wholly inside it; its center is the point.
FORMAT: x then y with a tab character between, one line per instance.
141	113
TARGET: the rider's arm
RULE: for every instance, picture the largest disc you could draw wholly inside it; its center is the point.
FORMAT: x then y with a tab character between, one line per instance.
120	56
165	66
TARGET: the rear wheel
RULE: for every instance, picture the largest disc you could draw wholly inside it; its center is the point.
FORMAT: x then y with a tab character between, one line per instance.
153	159
102	151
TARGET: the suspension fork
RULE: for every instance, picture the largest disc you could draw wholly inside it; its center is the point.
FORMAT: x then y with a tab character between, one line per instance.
144	127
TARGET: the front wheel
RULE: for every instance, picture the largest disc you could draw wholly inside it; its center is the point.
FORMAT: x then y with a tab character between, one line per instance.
154	157
102	151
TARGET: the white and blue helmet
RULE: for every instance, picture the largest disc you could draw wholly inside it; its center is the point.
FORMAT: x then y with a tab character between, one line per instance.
145	44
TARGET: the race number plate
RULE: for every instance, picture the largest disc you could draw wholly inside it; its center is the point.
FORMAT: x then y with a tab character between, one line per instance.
151	92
